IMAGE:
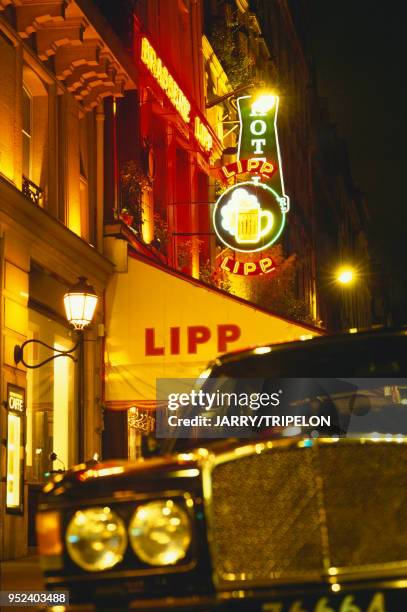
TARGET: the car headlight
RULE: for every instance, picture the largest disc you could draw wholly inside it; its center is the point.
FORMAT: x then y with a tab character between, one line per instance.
160	532
96	538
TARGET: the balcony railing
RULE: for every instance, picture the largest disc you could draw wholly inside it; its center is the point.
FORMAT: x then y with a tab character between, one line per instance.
32	191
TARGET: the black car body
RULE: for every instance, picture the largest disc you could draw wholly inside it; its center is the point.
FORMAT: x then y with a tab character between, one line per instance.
278	524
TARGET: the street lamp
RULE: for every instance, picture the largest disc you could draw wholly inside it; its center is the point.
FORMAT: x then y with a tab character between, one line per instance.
263	103
80	304
346	275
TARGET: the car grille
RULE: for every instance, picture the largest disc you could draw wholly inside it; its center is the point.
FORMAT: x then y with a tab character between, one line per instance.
294	513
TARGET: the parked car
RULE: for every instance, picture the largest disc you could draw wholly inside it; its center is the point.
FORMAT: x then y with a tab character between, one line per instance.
282	522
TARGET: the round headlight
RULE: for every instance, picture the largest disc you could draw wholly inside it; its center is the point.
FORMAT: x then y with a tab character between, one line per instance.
160	532
96	539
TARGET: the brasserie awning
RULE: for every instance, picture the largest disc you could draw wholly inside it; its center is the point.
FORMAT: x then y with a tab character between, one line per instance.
161	324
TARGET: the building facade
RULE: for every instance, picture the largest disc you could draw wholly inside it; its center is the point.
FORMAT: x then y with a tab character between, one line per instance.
234	48
58	61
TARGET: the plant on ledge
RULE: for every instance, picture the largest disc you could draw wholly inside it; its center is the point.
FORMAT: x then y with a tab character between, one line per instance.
214	276
185	249
161	236
133	182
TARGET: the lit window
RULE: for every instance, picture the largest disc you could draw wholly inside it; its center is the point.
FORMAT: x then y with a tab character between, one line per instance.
27	132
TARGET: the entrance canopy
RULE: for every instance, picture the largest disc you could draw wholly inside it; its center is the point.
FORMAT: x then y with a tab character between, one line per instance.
162	325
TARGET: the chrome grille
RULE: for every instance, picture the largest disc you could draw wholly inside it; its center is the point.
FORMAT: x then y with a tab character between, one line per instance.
365	497
292	513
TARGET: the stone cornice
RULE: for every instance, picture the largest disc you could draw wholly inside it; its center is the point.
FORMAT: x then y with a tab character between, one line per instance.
77	44
50	242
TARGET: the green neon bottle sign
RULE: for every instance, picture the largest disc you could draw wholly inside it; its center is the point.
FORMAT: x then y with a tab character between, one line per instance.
258	137
250	215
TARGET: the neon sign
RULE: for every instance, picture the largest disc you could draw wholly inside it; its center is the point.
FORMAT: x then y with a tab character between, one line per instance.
15	449
248	268
250	216
203	135
155	66
254	166
258	137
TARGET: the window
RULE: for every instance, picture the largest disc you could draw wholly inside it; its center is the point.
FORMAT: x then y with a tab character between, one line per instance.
51	400
35	127
27	132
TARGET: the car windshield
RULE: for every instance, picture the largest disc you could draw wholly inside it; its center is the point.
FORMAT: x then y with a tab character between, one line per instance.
368	395
354	407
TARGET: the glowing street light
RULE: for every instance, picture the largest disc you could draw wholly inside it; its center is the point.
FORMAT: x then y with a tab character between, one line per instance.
80	304
345	276
263	104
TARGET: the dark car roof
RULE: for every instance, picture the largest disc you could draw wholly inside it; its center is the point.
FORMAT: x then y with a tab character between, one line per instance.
351	339
345	346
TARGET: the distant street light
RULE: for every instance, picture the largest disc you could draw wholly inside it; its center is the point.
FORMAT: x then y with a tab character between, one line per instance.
346	275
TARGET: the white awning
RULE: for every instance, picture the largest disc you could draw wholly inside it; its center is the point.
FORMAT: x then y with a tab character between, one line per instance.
160	324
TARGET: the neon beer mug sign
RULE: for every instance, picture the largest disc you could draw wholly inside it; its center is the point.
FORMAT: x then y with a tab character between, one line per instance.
243	217
250	216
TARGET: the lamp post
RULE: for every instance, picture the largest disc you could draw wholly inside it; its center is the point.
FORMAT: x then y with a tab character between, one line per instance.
80	303
346	277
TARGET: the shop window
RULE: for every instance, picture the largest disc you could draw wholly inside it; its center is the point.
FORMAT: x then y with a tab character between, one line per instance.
51	401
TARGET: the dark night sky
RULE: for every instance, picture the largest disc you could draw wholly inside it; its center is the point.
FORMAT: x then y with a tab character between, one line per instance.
360	52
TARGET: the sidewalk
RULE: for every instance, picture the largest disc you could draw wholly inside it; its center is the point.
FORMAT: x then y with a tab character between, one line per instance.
21	575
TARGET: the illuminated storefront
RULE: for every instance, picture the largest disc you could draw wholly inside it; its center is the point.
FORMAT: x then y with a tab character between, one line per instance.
172	332
52	406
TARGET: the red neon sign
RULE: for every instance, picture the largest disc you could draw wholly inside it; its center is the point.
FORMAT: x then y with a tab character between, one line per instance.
248	268
253	165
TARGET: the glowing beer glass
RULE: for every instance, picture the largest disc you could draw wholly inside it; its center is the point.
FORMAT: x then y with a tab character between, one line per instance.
249	221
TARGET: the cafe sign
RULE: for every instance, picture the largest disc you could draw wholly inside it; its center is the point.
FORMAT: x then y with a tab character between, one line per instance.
15	449
250	216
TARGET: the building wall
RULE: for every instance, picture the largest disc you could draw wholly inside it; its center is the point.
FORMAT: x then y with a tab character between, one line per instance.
161	145
51	226
342	227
